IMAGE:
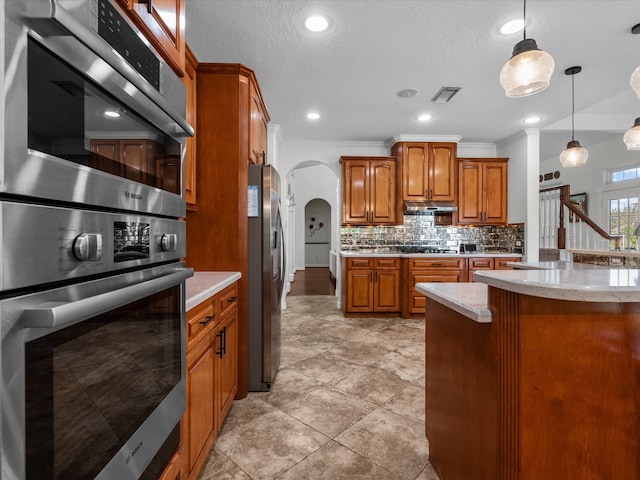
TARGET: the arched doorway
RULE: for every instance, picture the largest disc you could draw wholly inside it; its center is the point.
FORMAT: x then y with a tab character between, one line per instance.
317	241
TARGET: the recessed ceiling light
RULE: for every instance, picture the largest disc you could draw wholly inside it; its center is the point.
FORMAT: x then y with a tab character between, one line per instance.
111	114
511	27
313	116
407	93
425	117
316	23
532	119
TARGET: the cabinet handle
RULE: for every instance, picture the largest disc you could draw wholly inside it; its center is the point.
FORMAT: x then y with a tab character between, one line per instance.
224	340
220	336
148	3
232	299
208	320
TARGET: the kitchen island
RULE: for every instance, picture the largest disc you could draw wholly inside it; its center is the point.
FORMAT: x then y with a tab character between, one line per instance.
534	374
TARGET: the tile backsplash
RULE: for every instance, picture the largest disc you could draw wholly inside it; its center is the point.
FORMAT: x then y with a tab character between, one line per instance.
421	230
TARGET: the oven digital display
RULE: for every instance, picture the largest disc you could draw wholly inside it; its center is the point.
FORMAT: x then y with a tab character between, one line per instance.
130	241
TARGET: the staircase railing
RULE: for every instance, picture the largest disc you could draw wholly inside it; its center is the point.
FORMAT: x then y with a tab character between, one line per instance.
573	231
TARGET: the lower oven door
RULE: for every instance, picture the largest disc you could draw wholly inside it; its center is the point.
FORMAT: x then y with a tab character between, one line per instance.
93	375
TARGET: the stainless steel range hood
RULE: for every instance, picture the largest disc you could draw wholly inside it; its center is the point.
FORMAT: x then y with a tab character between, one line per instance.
426	207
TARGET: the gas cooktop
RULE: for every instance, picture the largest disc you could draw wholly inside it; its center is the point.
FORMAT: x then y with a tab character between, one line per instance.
424	249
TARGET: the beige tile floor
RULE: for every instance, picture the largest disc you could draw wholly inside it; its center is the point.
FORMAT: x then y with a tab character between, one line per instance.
347	403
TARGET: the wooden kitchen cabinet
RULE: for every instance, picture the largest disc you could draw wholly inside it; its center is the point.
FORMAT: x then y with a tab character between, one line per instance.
428	269
428	170
217	231
482	191
372	285
368	190
257	128
489	263
212	372
190	167
227	353
176	470
162	23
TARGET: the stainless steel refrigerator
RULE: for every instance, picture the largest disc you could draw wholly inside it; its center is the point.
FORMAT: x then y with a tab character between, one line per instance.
266	271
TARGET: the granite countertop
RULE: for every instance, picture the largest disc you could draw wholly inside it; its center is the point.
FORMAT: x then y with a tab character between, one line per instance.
591	285
578	285
468	299
376	253
556	265
204	285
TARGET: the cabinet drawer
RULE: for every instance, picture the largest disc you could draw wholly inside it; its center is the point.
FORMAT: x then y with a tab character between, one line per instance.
200	320
501	263
481	263
359	263
391	263
436	277
452	263
227	299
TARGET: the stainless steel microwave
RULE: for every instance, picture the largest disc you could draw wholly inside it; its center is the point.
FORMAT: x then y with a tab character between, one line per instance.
92	115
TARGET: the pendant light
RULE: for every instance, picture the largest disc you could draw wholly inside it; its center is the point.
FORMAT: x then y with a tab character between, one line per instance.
574	155
632	137
634	81
529	69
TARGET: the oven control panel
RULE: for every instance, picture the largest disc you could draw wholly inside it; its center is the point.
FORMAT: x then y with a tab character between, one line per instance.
76	243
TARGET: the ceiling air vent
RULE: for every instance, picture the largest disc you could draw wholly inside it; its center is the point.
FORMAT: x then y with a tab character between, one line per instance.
445	94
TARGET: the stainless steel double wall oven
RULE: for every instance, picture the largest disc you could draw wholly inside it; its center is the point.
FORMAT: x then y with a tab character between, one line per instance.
92	237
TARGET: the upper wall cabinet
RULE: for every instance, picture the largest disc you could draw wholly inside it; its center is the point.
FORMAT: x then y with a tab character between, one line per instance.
428	170
162	23
258	121
483	191
368	190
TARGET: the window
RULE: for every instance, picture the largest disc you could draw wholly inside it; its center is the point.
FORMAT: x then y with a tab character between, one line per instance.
623	174
623	217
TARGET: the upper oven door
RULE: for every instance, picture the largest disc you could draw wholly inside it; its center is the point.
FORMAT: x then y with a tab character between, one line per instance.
78	129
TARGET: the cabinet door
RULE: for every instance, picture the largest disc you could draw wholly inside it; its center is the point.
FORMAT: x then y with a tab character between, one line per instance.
442	172
226	364
479	263
386	288
257	129
382	192
360	291
470	195
200	399
190	169
162	22
494	177
415	171
355	192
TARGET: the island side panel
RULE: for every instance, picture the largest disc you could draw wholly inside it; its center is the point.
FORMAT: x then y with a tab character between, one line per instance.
504	308
577	385
461	413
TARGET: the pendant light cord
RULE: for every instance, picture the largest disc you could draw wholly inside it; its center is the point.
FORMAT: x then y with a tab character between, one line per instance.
524	20
573	106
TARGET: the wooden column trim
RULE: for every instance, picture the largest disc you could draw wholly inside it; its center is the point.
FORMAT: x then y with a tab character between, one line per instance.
506	316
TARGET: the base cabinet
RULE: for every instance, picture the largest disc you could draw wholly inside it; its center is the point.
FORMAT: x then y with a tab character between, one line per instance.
373	285
420	270
212	376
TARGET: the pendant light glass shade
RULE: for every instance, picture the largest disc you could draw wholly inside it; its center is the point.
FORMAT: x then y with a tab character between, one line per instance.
632	137
574	155
635	81
528	71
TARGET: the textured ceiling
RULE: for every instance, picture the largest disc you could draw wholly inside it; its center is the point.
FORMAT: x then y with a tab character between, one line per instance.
350	73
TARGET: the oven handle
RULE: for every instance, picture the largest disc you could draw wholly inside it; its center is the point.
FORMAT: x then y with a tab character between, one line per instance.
60	314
